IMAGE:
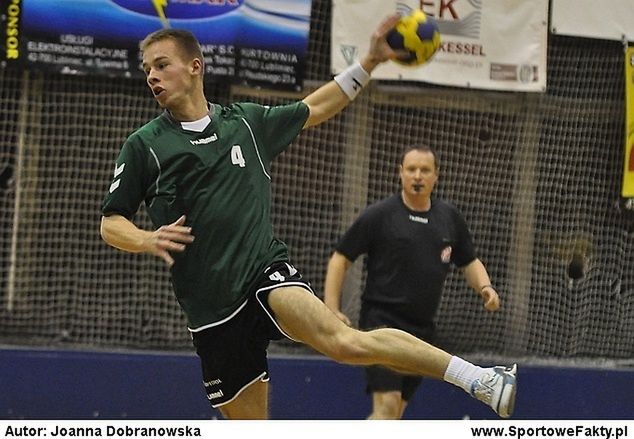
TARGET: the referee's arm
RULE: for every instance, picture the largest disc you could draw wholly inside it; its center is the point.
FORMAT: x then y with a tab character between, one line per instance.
335	275
477	277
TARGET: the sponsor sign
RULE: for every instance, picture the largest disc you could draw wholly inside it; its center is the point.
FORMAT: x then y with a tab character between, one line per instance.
607	20
493	44
243	41
628	168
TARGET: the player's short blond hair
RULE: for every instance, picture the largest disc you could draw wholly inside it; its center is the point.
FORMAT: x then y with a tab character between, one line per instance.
185	40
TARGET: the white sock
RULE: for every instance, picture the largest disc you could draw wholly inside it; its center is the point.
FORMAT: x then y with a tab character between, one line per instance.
461	373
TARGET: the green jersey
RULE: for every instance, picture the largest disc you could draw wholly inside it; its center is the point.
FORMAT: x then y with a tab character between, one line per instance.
220	179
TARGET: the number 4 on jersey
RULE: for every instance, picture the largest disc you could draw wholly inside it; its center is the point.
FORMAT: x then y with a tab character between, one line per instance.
236	156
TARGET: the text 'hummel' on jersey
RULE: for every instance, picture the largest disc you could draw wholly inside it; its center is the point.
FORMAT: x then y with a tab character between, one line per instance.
418	219
205	141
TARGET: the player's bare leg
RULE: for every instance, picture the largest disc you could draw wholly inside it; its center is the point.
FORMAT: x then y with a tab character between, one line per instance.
251	403
305	318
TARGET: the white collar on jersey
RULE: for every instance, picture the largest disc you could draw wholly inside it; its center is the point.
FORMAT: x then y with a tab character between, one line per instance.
200	124
197	125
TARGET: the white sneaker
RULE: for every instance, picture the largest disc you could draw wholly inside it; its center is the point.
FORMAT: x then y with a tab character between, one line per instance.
497	388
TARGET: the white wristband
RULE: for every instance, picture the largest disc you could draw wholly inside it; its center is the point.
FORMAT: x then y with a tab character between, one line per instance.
352	80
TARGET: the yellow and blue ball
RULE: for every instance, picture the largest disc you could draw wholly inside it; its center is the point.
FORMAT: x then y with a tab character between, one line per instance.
417	36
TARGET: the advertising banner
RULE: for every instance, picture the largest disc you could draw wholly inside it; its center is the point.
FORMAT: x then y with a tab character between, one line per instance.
493	44
243	41
608	20
628	168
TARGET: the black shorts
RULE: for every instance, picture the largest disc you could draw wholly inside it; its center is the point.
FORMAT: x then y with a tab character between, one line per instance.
380	379
233	354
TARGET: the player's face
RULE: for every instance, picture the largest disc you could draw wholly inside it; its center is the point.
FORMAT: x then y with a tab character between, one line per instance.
169	76
418	173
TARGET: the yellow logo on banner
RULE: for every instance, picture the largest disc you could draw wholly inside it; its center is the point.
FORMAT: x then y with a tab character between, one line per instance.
628	168
160	6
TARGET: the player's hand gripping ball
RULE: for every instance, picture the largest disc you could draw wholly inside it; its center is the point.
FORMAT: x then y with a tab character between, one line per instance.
415	38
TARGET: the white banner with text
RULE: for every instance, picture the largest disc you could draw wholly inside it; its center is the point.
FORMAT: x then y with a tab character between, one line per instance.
496	45
609	20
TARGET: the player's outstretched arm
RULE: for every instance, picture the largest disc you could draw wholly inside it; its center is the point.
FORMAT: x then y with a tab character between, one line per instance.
331	98
121	233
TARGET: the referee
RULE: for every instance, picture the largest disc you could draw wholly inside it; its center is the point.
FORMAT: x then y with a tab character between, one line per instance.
410	241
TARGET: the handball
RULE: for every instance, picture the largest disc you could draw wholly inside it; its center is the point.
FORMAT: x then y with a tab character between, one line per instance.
415	37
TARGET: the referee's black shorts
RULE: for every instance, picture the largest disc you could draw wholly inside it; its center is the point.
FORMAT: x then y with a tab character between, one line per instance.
381	379
233	353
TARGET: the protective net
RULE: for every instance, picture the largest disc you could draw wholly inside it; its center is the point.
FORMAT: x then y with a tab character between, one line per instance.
536	176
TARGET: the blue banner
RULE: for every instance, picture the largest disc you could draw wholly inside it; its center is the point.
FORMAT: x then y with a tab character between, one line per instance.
253	42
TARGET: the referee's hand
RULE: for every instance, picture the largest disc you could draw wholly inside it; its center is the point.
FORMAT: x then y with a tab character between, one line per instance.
490	298
169	238
344	318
